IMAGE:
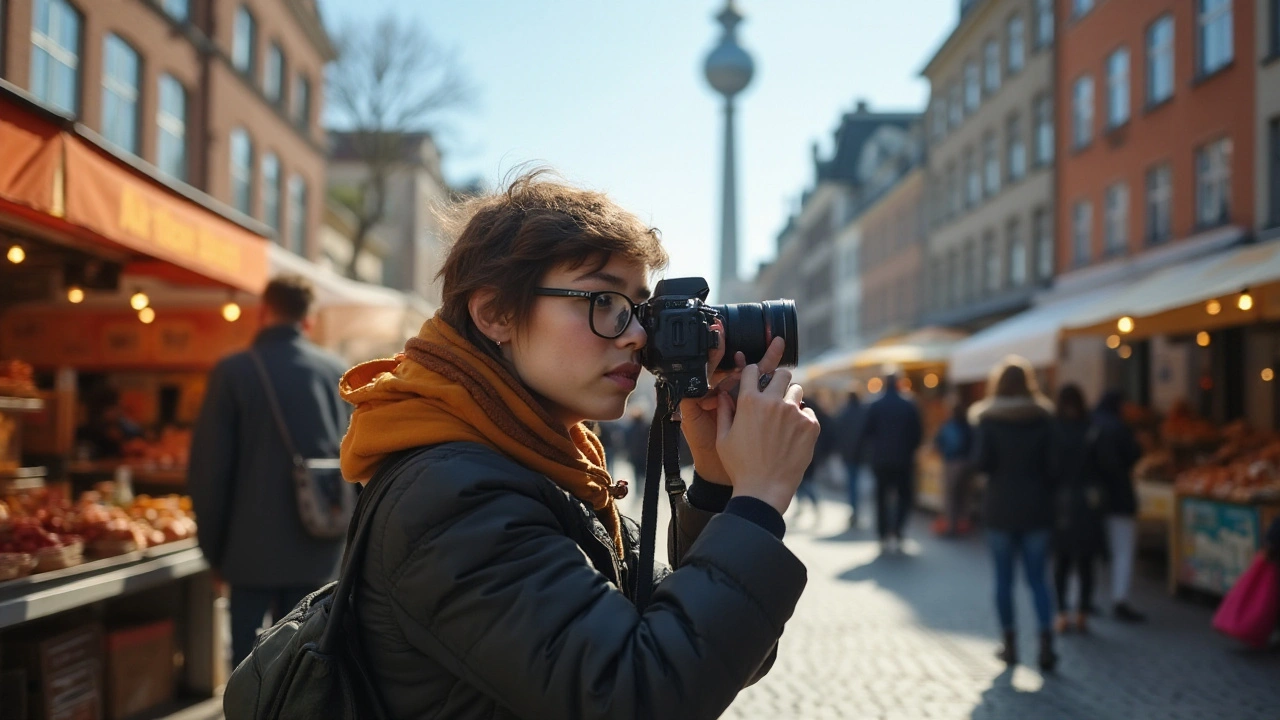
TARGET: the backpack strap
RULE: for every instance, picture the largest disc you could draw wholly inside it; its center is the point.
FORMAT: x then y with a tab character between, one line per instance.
357	538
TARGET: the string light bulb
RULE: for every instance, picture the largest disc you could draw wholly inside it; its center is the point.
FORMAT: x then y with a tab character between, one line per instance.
139	301
1203	339
1213	307
147	315
1268	375
231	311
16	254
1245	302
75	295
875	385
1113	341
931	380
1126	352
1125	325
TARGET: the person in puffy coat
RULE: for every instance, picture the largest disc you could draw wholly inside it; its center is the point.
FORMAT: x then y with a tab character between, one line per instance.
500	579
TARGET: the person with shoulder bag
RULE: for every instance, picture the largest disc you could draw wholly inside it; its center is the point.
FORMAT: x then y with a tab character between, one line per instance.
262	475
491	574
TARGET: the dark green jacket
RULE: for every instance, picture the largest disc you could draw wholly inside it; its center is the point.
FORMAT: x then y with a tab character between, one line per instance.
489	592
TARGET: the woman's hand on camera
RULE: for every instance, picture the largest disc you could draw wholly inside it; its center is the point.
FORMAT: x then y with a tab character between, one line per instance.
766	444
699	416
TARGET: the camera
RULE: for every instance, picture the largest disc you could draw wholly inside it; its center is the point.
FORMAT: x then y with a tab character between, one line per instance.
678	321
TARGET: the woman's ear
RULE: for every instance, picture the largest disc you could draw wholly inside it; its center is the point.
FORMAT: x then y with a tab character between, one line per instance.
480	306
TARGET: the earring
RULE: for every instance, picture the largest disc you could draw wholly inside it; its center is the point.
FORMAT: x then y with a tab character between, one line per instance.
498	343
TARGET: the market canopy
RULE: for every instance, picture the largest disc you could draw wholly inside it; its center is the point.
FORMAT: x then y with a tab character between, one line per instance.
1175	300
1033	334
926	347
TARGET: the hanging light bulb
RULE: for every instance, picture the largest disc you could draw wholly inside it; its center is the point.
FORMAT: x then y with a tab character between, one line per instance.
1245	302
1126	352
139	300
1202	339
75	295
875	385
1268	375
1213	307
231	311
931	380
16	254
1125	325
147	315
1113	341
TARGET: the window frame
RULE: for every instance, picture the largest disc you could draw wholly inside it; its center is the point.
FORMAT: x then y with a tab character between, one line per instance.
168	124
1016	44
1081	232
1215	178
297	214
1044	24
1159	57
1015	149
1015	267
1045	139
272	210
972	178
1115	203
1273	170
992	70
1158	204
992	266
1119	88
246	174
1205	21
116	90
955	104
991	169
249	65
1082	112
274	74
972	86
46	42
1046	263
300	101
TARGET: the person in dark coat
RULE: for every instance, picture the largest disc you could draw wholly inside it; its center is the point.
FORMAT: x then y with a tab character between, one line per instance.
1116	452
1015	446
848	425
500	580
893	431
1079	537
954	443
240	474
808	489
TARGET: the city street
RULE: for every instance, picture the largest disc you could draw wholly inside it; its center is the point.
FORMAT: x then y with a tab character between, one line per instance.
914	635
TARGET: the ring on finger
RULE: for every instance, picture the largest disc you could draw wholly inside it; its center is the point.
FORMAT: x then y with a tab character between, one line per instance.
764	381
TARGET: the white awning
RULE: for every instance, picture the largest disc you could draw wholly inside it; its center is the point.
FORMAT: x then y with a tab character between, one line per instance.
1033	334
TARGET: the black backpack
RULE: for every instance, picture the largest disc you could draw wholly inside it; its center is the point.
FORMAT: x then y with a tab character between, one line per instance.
309	664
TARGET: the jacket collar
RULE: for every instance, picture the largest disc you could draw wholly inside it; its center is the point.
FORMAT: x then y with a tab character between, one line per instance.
278	333
1011	409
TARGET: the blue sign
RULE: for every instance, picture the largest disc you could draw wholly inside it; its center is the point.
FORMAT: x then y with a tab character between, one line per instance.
1219	541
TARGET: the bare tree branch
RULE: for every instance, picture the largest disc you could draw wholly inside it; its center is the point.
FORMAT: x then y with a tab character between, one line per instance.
391	78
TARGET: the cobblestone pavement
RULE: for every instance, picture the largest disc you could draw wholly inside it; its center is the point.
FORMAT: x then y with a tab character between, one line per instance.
913	636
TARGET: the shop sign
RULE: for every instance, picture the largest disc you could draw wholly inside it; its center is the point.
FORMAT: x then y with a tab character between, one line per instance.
1218	542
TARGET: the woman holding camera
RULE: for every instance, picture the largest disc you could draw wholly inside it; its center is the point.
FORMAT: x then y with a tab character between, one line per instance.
500	578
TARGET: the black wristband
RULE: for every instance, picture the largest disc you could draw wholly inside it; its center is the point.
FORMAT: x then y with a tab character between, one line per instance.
706	495
758	512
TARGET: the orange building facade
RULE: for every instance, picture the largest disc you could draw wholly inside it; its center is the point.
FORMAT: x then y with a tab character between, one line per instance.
1156	143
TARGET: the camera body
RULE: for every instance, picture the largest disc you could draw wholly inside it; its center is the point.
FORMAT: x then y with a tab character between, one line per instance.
678	320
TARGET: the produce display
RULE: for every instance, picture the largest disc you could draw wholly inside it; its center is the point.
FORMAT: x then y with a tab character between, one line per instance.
43	530
169	449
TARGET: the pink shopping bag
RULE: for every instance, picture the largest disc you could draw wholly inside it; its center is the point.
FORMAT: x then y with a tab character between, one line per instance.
1248	612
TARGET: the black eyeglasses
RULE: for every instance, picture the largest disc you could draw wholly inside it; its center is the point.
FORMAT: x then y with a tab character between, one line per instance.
609	312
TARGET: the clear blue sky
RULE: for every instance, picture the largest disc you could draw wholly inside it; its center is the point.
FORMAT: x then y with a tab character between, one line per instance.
612	95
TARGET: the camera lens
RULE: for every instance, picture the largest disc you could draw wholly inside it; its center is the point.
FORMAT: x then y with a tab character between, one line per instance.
750	327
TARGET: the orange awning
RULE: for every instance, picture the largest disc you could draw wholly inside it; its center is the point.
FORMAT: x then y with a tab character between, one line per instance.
62	181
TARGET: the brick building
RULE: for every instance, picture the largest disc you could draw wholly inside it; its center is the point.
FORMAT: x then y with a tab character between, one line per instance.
222	95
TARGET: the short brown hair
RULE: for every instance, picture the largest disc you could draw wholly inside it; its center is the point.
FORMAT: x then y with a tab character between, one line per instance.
289	297
509	240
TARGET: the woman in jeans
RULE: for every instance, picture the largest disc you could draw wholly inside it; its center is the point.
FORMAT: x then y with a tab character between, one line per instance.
1080	536
1015	446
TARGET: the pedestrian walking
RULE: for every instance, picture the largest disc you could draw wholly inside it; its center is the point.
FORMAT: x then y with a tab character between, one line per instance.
1080	514
1015	446
501	579
892	430
241	469
848	425
808	489
954	442
1116	452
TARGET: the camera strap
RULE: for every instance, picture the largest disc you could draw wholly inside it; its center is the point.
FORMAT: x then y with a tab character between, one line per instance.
664	455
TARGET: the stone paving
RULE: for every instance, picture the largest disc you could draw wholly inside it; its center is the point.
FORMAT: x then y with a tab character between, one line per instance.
913	636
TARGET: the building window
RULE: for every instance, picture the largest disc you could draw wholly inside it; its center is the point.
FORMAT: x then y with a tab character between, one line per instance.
55	55
1118	88
938	117
1081	232
1082	112
1042	236
1117	219
171	120
297	214
1213	183
1017	255
1017	150
1044	130
1160	60
1274	171
120	78
1017	40
956	108
273	74
991	269
241	171
991	165
991	62
1159	204
972	88
972	270
1079	8
1216	50
1044	23
954	278
271	190
302	101
955	190
178	9
245	42
973	179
